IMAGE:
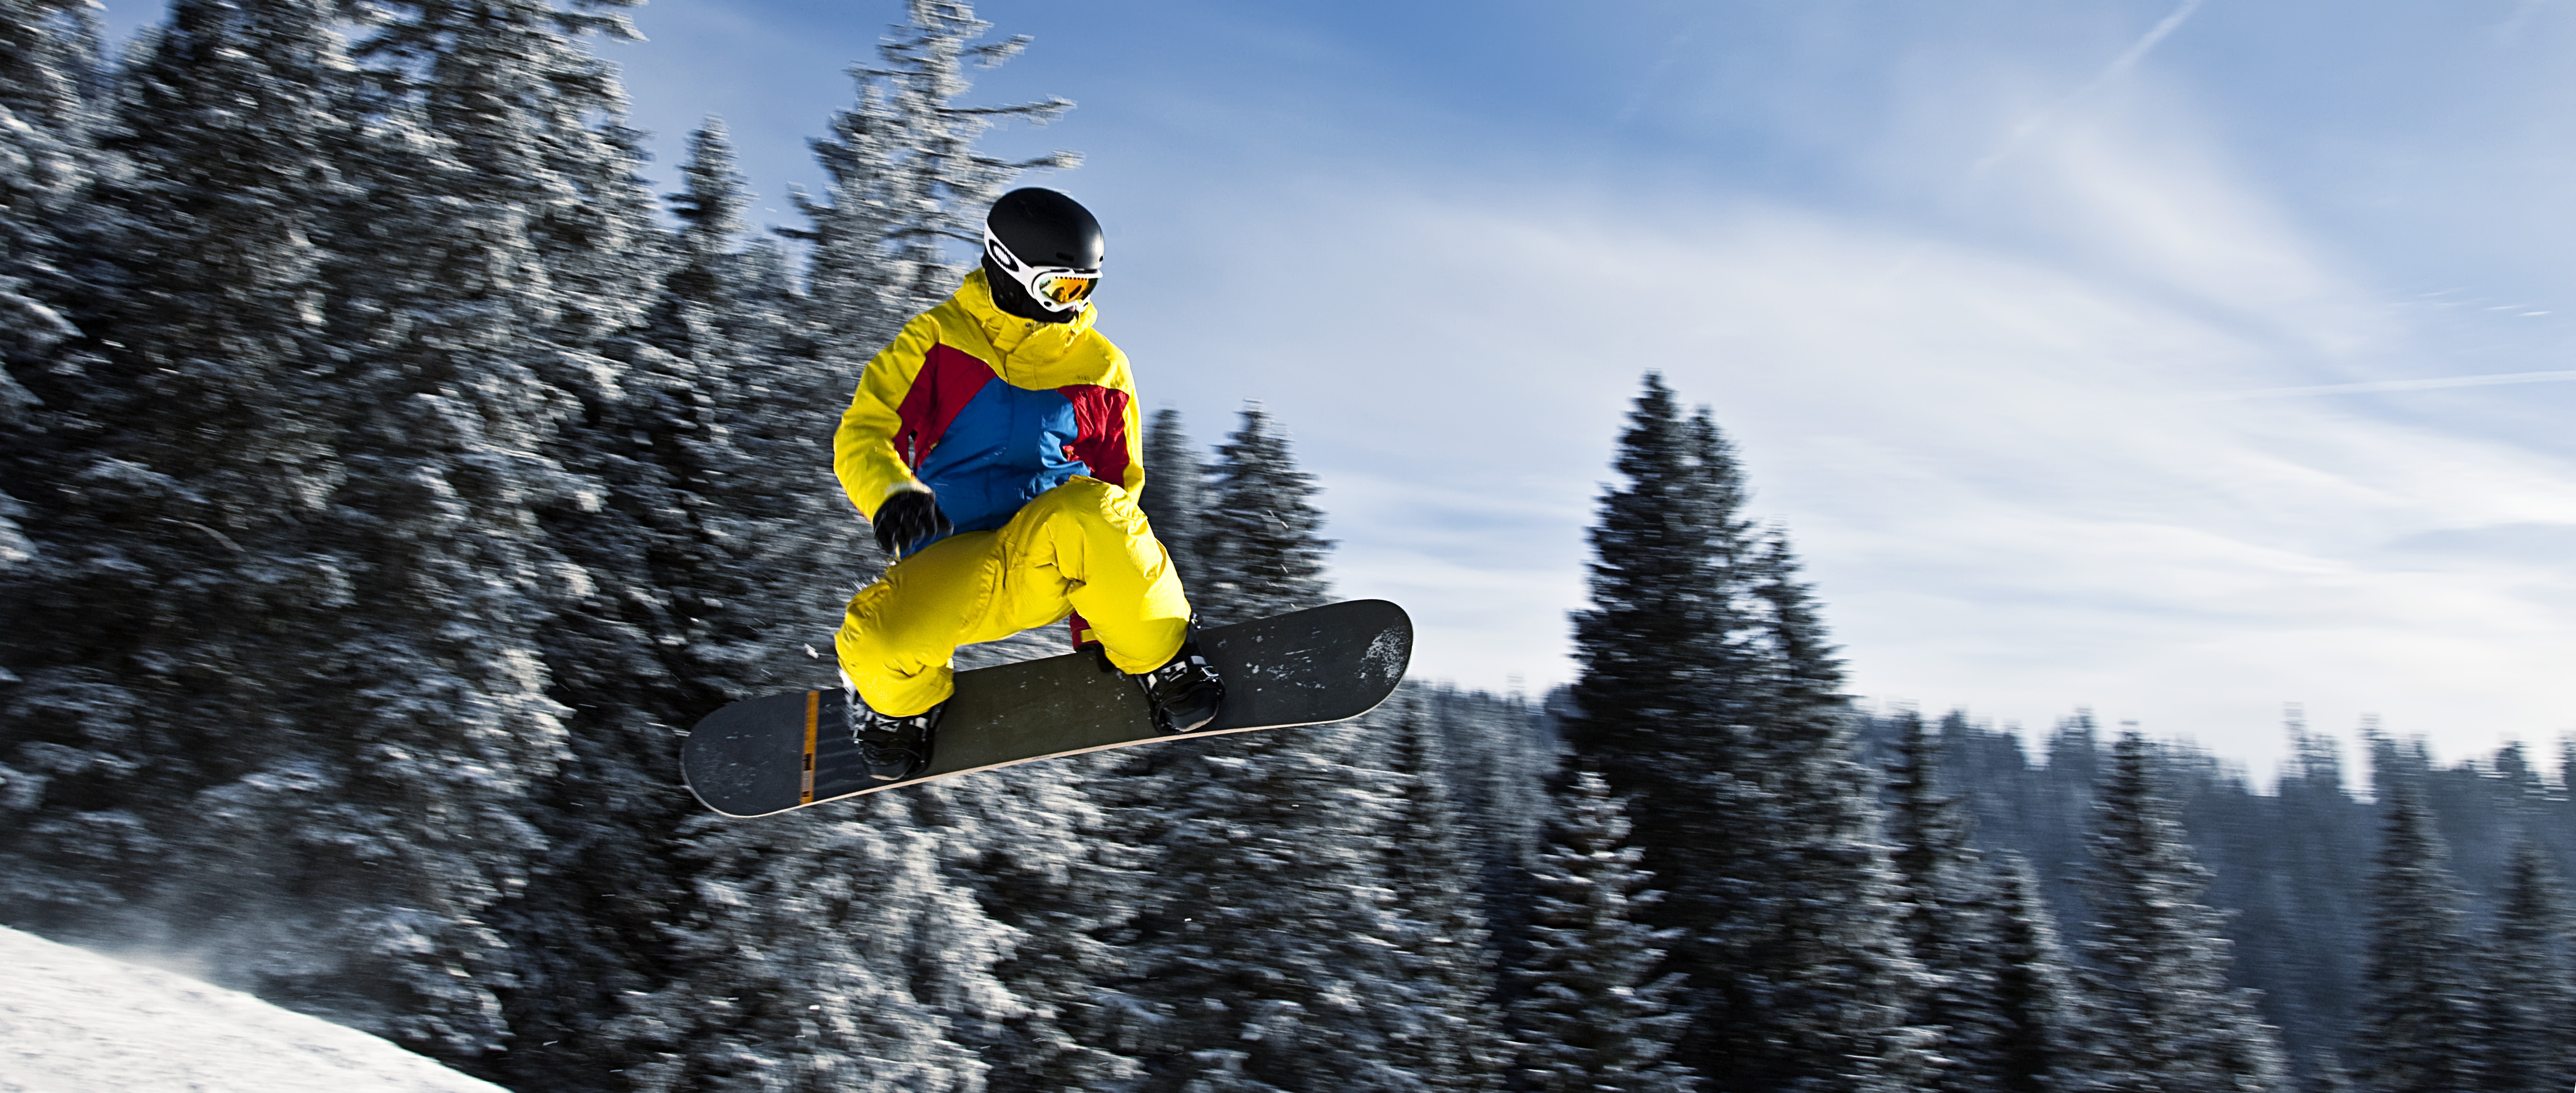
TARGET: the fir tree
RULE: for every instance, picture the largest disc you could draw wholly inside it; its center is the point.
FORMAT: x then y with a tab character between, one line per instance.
179	578
1593	1014
1175	499
2567	769
1271	952
779	547
1448	983
1258	541
842	959
1836	972
48	734
2314	879
1655	645
1252	530
904	177
1499	759
1053	857
1051	864
2327	1075
2164	1018
2033	1044
2531	987
45	162
1273	947
673	594
486	254
1941	910
2421	1028
1708	695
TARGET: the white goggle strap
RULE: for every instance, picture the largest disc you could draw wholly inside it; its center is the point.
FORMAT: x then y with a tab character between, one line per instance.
1028	275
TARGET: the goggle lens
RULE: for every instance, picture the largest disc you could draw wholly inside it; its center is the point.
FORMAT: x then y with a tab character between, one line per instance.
1066	288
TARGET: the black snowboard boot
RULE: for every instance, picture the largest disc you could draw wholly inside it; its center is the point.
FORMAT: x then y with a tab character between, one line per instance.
1185	691
894	748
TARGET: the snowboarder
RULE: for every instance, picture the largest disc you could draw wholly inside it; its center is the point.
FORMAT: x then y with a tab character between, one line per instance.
995	449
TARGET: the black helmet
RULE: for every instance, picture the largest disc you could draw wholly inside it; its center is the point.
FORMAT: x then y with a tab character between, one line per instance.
1046	244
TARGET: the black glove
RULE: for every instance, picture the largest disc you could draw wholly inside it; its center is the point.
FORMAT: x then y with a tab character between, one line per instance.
907	518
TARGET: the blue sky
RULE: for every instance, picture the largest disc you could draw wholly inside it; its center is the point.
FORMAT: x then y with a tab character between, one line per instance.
2134	355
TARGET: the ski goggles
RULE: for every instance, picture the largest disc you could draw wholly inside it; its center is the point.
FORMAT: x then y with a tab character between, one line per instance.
1055	288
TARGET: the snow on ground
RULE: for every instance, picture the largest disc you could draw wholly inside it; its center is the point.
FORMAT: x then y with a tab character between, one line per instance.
72	1021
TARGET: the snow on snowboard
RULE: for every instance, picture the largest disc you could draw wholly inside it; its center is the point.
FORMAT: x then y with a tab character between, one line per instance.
786	751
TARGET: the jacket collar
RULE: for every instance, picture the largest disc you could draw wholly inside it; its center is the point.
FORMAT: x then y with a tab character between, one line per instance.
1033	342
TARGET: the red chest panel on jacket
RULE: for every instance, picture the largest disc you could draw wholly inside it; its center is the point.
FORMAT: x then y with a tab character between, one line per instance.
948	380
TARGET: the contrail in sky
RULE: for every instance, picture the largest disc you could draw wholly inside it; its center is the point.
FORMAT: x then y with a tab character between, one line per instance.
2395	385
2118	67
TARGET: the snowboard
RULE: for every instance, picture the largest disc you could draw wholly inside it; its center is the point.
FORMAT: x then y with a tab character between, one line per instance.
779	752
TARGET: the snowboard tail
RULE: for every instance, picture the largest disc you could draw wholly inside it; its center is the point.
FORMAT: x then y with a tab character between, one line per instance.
779	752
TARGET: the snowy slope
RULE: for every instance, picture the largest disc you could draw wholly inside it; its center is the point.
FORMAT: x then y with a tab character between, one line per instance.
72	1021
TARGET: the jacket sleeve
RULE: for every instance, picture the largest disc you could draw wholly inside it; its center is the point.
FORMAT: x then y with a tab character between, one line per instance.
863	452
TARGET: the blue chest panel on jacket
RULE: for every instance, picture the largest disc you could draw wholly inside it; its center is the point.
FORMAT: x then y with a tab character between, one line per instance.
1006	447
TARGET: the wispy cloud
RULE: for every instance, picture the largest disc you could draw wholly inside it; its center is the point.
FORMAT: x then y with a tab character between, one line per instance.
2121	65
2376	386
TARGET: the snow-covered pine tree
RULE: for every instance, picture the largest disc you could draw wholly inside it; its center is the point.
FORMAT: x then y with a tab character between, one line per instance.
1175	501
785	544
844	959
1836	969
473	271
2327	1075
1593	1014
1655	644
1708	696
2322	843
1943	910
1049	862
1659	653
2567	769
1271	950
172	568
2164	1019
905	177
2531	982
1499	763
1449	981
955	936
2036	1041
45	161
2421	1023
56	741
678	573
1052	853
1258	539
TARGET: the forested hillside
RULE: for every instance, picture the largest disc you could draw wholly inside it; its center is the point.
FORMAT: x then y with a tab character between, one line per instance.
2318	873
391	478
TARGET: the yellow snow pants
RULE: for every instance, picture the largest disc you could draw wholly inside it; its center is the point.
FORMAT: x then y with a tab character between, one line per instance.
1082	547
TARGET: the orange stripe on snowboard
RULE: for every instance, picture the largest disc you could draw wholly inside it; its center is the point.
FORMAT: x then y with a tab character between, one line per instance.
813	702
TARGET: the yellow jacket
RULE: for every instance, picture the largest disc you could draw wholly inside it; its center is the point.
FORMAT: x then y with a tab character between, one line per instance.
989	410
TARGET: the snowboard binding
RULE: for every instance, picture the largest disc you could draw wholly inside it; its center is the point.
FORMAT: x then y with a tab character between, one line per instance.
893	748
1185	692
